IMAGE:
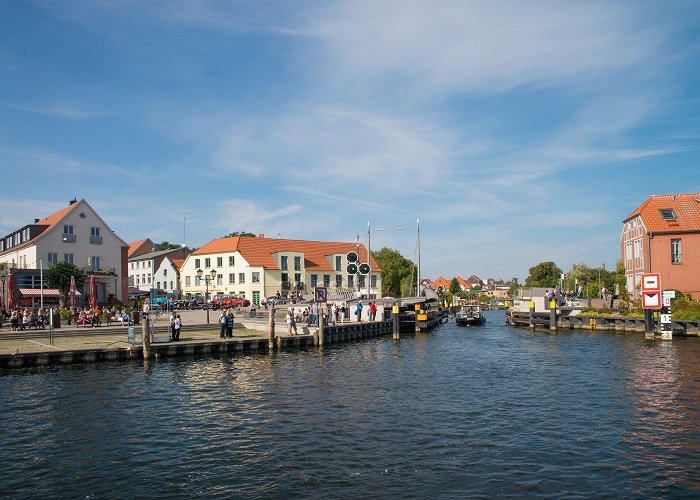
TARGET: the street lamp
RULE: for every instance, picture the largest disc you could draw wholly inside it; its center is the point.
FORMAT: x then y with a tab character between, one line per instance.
209	277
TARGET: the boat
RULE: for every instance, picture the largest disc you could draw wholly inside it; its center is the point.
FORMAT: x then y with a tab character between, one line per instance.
469	315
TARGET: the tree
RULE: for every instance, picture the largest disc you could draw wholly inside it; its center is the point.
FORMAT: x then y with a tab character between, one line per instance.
454	286
398	273
514	288
59	274
240	233
544	274
167	246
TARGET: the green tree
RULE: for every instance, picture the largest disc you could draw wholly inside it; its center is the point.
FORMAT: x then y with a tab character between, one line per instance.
165	245
58	275
398	273
454	286
514	288
240	233
544	274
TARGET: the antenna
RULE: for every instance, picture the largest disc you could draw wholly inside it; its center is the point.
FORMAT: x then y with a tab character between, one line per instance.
185	218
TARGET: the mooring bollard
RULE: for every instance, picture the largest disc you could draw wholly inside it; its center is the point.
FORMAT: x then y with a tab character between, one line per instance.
395	317
271	328
532	314
552	315
146	335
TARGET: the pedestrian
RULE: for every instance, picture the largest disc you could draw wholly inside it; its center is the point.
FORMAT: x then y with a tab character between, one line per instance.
229	324
334	313
178	327
343	311
373	311
222	324
314	314
173	333
291	322
358	312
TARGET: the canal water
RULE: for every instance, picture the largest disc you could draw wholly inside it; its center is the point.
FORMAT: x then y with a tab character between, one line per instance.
457	412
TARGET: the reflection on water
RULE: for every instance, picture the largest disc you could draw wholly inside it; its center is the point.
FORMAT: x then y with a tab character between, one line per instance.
487	411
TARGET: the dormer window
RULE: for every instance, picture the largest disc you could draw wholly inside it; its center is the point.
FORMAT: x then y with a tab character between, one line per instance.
668	213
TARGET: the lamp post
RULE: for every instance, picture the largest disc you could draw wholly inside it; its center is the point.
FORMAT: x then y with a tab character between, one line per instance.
207	278
41	283
3	278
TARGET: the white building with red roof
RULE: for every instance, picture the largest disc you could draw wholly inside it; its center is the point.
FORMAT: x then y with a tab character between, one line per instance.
75	234
258	267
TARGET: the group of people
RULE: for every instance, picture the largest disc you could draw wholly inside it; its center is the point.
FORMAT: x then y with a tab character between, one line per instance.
330	314
226	324
175	326
24	319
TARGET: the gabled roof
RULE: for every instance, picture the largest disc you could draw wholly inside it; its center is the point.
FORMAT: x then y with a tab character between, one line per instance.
685	213
260	251
463	282
440	282
140	247
177	263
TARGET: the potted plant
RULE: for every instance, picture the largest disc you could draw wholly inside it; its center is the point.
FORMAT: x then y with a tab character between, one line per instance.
66	316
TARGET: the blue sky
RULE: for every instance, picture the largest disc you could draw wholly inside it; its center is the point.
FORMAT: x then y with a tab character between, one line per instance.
518	132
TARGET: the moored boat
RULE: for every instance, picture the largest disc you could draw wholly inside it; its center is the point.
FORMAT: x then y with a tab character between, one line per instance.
470	315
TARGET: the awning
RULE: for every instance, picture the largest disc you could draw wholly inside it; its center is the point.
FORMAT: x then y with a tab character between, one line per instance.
36	292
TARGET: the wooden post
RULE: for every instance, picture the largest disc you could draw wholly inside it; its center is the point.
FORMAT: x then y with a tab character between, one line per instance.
395	318
321	311
271	328
532	314
552	315
146	335
648	324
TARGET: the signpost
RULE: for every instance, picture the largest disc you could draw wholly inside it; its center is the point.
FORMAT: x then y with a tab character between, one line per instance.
651	299
665	317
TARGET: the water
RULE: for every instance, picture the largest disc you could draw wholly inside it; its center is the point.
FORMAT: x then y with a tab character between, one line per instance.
458	412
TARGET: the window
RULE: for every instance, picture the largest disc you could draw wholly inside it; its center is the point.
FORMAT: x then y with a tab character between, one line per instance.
676	251
339	281
338	263
149	278
628	250
326	280
197	281
297	280
285	281
283	263
668	213
138	280
314	280
68	235
53	257
219	279
165	273
351	280
171	286
637	248
230	260
196	263
241	278
219	261
187	281
158	284
207	262
297	263
95	238
231	278
361	281
67	229
373	281
255	277
95	263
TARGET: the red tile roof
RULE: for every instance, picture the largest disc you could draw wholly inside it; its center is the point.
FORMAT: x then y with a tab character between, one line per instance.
48	221
685	206
177	263
440	282
259	251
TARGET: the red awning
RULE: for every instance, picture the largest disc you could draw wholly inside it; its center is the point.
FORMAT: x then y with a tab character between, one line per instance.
36	292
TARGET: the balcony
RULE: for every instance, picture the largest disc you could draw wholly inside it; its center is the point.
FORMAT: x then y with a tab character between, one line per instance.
68	237
96	240
293	285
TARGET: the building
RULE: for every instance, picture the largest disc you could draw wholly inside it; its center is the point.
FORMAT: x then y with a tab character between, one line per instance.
663	236
260	267
75	234
142	264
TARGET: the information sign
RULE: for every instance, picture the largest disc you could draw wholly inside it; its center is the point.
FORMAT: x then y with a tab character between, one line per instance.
651	300
651	282
320	294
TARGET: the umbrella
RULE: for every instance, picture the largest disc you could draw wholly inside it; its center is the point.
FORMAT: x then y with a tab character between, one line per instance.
71	292
10	292
93	291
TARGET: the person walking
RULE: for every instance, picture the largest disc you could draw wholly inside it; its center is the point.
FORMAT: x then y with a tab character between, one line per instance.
291	322
222	324
358	312
173	333
178	327
343	310
372	311
229	324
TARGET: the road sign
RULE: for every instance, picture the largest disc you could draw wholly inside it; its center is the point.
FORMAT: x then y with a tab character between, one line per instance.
651	300
651	282
320	294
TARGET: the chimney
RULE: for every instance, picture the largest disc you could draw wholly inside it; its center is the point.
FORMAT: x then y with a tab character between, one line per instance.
73	201
36	220
673	197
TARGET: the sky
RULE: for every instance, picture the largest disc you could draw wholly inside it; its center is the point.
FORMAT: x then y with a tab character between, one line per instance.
516	132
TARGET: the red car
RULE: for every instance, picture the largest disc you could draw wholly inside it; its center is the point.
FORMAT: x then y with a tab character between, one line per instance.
225	301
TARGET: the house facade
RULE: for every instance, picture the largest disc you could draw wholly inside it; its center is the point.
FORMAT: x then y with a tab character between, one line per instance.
259	267
663	236
75	234
150	270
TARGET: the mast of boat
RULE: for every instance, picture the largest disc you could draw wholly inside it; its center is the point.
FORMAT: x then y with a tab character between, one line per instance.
418	257
369	259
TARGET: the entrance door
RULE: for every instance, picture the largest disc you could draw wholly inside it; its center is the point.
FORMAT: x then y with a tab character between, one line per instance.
256	298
